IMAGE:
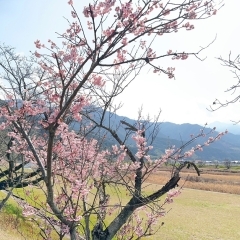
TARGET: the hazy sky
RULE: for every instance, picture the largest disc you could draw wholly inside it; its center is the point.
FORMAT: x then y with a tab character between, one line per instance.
182	100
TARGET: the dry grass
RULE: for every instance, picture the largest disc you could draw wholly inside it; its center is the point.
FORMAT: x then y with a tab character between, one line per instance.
14	228
201	215
225	182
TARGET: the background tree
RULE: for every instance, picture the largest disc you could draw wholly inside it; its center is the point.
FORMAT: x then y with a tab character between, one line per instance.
234	65
216	163
200	163
57	114
16	69
227	163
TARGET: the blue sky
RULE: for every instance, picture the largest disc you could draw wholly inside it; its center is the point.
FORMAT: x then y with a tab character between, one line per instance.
182	100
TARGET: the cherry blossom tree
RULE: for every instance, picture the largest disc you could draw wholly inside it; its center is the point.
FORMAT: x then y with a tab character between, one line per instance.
12	173
58	106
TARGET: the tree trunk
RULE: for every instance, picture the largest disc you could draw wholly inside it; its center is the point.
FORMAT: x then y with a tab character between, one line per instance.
73	234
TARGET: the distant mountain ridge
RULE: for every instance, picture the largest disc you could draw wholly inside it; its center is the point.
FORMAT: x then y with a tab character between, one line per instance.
231	127
228	147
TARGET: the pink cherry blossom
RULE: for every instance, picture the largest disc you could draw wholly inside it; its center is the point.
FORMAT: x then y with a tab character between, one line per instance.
70	2
38	44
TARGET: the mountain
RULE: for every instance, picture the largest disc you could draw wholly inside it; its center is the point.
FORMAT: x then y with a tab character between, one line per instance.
231	127
228	147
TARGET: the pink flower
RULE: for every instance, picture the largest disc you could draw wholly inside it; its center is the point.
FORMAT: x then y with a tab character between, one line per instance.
98	81
89	25
38	55
86	12
108	32
124	41
38	44
80	60
2	126
166	12
27	209
70	2
171	194
115	149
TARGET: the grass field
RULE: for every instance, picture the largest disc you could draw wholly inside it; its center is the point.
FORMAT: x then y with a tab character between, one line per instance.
202	215
194	215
